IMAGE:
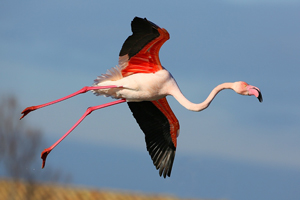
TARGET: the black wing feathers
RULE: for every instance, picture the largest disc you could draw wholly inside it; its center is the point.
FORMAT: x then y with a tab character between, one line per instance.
156	128
143	31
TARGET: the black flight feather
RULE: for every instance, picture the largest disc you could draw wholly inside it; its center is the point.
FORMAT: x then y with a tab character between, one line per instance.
143	32
156	128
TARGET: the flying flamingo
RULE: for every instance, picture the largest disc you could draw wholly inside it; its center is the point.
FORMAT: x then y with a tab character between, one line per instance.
143	83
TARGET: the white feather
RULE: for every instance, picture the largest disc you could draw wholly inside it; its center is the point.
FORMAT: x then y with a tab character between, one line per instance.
112	74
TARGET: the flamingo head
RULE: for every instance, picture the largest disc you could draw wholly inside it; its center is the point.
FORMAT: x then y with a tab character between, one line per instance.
244	88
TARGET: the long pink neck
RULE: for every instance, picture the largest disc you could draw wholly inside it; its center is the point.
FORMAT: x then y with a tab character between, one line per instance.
201	106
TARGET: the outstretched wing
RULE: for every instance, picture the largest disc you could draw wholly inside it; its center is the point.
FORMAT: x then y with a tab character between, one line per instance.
139	53
161	129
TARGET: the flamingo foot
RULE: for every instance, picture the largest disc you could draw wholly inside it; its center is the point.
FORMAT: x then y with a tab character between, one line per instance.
27	110
44	156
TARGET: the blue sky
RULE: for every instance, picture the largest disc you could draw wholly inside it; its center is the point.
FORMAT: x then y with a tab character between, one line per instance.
51	49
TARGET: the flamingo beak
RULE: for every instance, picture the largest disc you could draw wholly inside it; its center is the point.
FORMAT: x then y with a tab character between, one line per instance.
255	91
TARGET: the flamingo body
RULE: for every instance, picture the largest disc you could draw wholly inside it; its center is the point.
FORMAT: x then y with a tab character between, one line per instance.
143	83
139	87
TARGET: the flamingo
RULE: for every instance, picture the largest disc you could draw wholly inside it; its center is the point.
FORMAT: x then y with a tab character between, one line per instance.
142	82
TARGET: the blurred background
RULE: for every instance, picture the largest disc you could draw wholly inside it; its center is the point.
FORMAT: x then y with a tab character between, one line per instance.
238	148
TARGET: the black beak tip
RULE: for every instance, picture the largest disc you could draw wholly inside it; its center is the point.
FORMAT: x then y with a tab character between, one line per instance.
260	99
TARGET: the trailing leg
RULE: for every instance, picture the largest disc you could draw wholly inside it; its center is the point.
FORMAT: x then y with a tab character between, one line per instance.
83	90
87	112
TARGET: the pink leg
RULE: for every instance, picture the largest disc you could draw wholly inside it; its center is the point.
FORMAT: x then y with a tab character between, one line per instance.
83	90
87	112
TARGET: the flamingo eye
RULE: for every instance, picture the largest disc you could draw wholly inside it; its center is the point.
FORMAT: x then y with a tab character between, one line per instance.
245	84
